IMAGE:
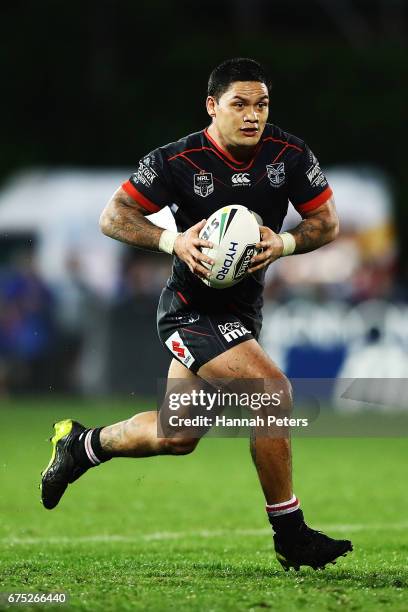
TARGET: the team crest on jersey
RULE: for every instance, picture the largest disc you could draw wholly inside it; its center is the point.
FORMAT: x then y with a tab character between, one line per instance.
203	184
276	173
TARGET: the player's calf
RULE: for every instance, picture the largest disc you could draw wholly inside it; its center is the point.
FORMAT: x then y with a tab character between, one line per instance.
76	449
178	446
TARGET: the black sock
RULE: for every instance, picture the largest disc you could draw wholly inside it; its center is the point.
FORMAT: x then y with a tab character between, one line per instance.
97	446
285	517
287	525
87	449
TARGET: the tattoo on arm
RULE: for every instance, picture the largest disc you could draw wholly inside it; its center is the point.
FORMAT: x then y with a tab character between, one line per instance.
310	234
123	219
113	437
317	229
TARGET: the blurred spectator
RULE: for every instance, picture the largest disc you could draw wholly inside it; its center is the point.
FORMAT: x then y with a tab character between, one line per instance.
26	326
136	358
143	274
81	330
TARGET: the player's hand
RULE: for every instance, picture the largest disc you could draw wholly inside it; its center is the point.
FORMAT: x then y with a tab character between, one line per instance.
187	247
272	247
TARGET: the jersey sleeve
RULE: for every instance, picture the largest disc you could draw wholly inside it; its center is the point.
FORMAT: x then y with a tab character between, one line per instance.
151	184
308	186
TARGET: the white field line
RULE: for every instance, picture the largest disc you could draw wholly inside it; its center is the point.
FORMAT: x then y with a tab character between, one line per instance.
180	535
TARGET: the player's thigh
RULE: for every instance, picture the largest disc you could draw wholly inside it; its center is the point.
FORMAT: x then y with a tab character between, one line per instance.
247	368
178	370
180	380
245	360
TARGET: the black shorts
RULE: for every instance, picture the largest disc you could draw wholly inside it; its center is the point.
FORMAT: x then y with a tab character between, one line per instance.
195	334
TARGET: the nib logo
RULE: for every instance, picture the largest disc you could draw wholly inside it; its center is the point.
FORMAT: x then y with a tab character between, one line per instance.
180	350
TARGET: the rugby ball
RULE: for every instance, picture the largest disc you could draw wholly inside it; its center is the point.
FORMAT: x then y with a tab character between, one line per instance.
234	232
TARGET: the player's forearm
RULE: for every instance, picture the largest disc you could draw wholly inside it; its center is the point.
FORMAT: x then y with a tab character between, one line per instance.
125	221
312	234
316	230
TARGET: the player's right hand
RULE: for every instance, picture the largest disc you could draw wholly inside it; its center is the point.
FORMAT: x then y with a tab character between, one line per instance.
187	248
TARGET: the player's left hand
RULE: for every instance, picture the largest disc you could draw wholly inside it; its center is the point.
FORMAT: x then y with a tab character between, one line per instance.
272	247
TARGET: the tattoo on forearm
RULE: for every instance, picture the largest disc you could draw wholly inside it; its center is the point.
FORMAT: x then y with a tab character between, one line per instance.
312	233
123	219
131	227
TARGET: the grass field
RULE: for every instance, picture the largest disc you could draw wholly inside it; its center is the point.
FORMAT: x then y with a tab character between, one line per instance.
190	533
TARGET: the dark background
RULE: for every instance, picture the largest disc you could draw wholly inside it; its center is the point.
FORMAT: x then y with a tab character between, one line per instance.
101	83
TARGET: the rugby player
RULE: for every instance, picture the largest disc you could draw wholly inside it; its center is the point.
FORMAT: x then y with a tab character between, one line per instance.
240	159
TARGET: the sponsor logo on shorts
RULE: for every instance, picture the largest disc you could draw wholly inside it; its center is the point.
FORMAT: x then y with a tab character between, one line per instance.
241	179
179	349
276	174
316	176
203	184
232	331
243	262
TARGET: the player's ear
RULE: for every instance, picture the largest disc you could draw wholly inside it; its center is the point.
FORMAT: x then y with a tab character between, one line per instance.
211	104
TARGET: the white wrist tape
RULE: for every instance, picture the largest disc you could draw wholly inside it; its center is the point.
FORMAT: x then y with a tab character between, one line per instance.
289	243
167	240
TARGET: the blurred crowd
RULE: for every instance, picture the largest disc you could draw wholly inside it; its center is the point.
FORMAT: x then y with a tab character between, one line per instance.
42	327
27	326
64	337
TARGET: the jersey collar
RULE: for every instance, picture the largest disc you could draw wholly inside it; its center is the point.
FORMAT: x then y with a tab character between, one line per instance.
227	156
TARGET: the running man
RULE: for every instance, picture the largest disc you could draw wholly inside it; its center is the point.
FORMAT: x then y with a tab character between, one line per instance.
240	159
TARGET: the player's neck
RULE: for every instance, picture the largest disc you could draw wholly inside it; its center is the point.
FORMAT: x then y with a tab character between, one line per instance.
239	154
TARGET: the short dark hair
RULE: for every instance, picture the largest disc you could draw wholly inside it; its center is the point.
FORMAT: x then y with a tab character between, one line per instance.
232	70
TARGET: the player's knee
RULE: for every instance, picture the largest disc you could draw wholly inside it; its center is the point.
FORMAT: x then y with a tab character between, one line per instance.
278	386
286	393
179	446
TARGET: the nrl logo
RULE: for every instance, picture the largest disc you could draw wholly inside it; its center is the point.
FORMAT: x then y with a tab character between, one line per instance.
203	184
276	173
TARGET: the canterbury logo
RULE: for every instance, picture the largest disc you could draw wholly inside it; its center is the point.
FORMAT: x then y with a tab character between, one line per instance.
241	178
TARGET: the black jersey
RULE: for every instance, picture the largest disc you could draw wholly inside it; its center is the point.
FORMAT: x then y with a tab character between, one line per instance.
195	177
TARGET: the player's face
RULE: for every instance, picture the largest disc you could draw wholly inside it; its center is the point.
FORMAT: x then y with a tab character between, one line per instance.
241	113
